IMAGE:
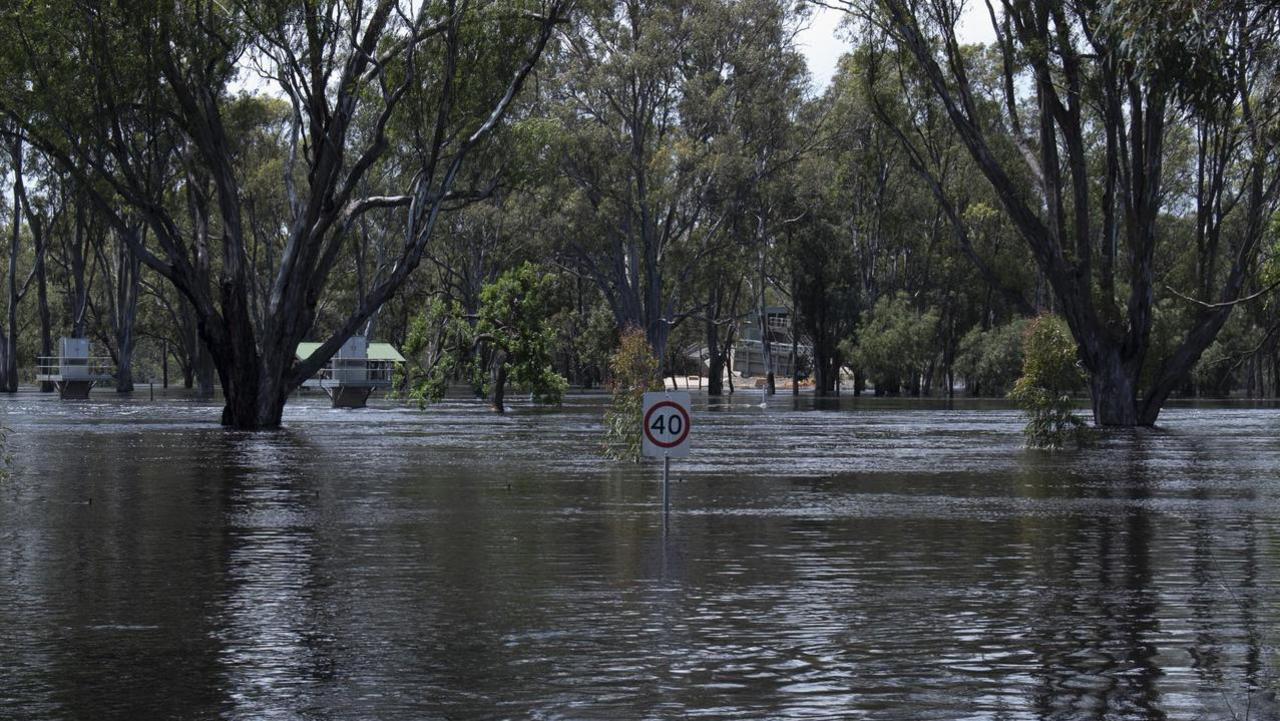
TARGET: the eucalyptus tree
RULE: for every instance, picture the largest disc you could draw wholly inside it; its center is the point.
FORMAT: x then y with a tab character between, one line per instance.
760	103
16	286
42	209
150	116
633	180
823	271
670	115
120	274
1090	94
744	86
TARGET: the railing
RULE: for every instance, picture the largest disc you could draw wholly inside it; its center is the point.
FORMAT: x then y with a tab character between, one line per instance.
353	373
57	368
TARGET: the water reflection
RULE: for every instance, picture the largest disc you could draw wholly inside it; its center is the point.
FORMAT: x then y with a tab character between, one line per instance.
270	647
872	560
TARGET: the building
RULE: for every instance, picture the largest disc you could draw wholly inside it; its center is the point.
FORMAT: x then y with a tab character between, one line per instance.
353	373
748	351
74	372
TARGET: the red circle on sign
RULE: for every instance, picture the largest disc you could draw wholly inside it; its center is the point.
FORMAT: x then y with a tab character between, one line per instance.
676	442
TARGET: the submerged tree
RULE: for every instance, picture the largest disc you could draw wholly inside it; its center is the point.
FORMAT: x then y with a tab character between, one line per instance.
1092	95
151	121
508	341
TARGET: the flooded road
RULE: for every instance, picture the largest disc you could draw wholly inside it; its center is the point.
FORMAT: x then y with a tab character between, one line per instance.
859	561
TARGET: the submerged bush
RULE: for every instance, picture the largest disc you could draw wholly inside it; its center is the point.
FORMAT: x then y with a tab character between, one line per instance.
635	370
895	344
509	340
1050	374
990	360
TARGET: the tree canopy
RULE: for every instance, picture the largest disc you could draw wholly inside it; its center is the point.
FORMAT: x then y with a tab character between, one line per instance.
503	187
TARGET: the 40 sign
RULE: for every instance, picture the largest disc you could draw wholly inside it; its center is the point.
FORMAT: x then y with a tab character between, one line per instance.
666	425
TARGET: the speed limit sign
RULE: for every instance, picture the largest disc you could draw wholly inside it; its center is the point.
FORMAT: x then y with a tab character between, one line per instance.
666	425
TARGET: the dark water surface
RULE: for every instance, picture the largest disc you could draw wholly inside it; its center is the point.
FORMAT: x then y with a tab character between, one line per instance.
876	561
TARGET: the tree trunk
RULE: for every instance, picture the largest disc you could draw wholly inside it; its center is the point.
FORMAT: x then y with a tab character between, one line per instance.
766	343
42	307
255	385
204	372
715	360
1114	392
128	283
9	339
795	349
40	238
500	387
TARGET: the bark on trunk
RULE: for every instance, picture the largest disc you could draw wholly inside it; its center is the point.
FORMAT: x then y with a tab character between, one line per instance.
255	384
9	339
715	361
500	388
795	353
42	306
128	272
1114	395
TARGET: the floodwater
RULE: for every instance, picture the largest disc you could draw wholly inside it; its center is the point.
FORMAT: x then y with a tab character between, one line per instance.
860	560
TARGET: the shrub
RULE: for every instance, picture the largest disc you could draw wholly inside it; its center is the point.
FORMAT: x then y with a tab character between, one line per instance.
635	370
1050	374
895	344
991	360
509	339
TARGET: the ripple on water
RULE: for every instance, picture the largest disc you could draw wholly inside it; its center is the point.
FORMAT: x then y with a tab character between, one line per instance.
867	560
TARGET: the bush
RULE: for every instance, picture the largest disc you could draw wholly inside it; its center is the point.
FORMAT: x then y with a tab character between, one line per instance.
509	340
635	371
991	360
513	325
895	344
1050	374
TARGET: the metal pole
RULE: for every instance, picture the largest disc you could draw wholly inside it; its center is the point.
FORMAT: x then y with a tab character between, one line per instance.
666	487
151	385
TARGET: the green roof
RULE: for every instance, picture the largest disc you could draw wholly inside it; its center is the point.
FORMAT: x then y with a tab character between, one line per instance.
377	351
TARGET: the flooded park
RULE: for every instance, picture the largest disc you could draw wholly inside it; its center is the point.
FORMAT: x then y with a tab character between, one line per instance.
823	559
426	360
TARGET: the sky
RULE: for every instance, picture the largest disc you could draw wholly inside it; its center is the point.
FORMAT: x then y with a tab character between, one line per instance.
823	45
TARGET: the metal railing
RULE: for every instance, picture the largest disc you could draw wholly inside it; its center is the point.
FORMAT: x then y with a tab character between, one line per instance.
775	322
355	373
55	368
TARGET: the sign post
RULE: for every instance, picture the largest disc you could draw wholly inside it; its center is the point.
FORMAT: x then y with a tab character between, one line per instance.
666	424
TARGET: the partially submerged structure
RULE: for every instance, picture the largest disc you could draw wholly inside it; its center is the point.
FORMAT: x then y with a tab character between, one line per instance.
748	352
353	373
73	372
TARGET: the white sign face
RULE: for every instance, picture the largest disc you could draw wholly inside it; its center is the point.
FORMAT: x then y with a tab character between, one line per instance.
666	423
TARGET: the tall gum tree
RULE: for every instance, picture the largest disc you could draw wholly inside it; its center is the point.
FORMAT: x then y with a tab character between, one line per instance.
131	99
667	109
1090	94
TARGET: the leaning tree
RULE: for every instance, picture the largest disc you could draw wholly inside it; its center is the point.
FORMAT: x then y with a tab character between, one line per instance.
1091	95
133	100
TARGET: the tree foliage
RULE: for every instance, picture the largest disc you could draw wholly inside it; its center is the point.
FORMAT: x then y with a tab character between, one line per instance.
634	371
1051	373
202	185
509	340
991	359
894	345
